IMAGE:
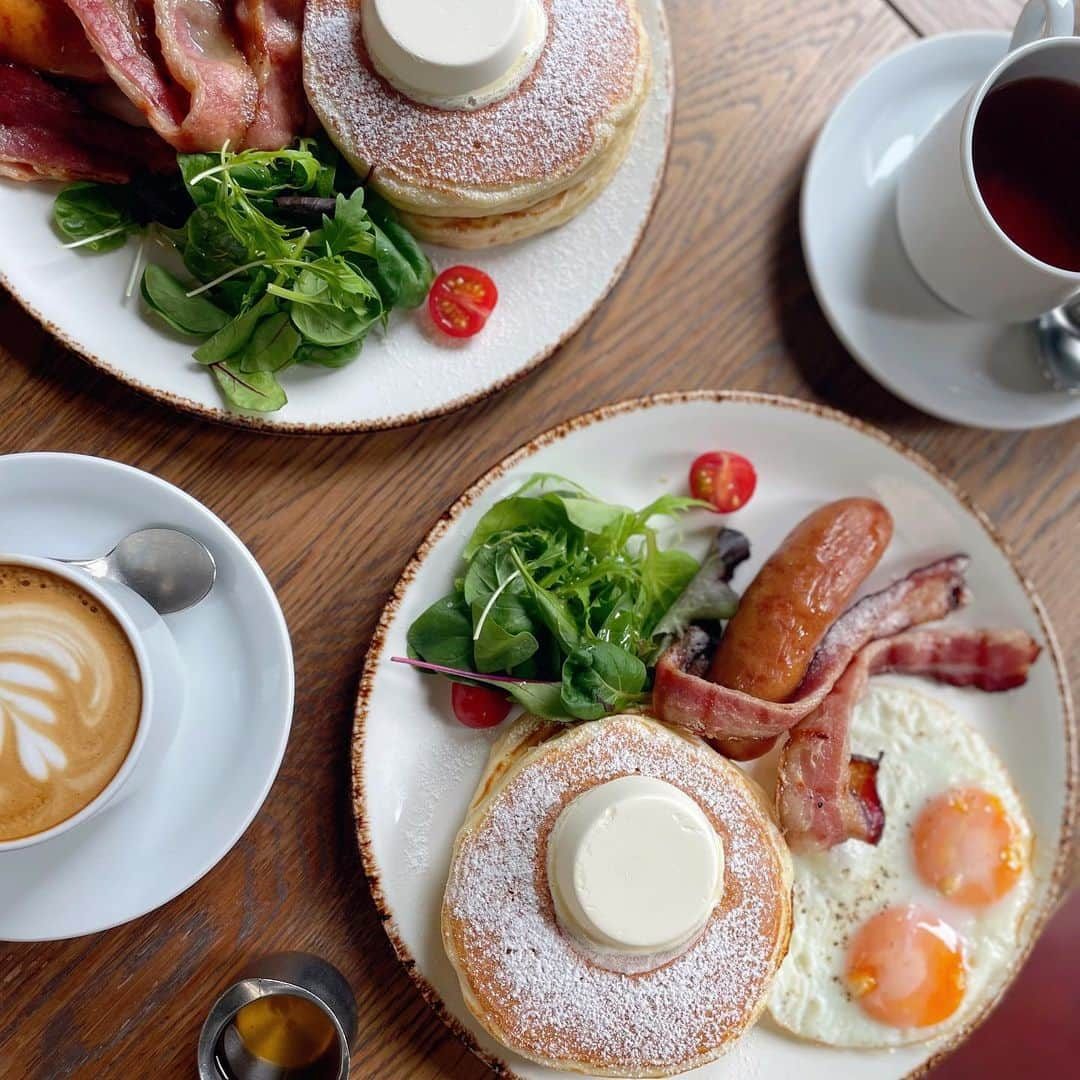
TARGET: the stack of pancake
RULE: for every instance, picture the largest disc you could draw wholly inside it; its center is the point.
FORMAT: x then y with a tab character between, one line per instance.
508	170
544	994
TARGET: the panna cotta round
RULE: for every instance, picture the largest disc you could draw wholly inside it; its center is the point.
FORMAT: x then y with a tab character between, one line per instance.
634	866
454	55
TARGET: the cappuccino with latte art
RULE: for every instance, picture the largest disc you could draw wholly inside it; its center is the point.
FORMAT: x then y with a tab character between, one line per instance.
70	699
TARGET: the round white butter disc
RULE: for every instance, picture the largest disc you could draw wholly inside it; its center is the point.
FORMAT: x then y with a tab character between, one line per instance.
453	53
635	866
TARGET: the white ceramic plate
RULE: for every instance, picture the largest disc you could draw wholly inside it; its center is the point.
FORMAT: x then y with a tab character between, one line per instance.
933	357
415	768
234	647
548	286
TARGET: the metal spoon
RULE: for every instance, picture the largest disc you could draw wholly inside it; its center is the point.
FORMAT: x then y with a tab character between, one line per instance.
170	570
1058	334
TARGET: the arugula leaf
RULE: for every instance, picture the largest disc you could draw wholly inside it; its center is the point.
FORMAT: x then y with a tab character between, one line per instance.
95	216
600	679
536	696
350	229
258	391
167	297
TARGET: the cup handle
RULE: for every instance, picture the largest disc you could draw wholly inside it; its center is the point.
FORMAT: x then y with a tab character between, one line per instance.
1043	18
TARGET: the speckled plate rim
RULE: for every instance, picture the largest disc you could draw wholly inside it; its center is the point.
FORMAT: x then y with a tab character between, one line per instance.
293	427
373	658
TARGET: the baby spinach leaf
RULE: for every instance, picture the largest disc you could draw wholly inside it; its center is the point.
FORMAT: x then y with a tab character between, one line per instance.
443	634
85	210
258	391
234	335
211	249
499	649
193	166
327	324
513	513
272	346
404	271
503	634
329	356
665	574
192	315
550	608
599	679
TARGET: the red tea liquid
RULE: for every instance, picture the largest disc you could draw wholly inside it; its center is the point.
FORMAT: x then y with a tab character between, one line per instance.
1026	152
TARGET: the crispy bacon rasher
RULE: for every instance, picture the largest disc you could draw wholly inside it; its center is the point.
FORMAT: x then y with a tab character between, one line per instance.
823	795
48	133
716	712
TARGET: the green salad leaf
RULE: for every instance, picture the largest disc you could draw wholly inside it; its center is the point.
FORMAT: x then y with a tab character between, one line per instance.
267	291
559	600
93	216
168	298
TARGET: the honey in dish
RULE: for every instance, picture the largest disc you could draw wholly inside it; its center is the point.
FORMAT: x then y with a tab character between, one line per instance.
283	1030
70	698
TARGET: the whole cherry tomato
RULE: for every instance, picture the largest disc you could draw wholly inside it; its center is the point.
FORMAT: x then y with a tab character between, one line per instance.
479	706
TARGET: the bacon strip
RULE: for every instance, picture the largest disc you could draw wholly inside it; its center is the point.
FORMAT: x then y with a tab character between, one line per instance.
47	133
717	712
202	56
122	34
270	33
822	794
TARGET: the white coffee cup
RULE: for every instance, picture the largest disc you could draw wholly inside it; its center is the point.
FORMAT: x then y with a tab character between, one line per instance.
162	684
949	234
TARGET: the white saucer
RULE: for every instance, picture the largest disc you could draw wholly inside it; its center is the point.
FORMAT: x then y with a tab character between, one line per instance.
235	648
928	354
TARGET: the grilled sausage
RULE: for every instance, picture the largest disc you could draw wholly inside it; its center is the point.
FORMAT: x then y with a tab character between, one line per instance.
797	595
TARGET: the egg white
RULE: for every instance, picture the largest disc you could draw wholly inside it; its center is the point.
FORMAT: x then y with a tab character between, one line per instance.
927	750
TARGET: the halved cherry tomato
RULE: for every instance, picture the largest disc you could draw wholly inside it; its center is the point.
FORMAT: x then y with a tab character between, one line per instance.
461	300
479	706
723	478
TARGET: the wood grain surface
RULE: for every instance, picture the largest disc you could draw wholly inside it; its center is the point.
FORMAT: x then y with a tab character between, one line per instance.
717	296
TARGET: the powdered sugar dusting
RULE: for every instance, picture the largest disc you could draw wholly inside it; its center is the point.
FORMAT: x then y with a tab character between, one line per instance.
549	1000
545	129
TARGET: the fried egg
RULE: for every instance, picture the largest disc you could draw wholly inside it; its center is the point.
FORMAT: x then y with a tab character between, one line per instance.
909	940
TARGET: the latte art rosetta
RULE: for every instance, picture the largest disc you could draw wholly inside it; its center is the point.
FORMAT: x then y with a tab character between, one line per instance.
48	666
70	698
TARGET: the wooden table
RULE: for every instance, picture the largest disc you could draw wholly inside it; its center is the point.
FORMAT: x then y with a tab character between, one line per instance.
717	296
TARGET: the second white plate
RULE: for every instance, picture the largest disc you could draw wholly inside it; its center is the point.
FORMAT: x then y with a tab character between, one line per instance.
548	286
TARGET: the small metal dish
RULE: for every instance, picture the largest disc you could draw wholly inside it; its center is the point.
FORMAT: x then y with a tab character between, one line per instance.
222	1054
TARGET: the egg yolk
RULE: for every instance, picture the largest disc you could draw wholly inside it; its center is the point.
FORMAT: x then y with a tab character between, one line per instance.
905	968
966	846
